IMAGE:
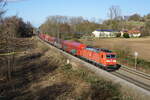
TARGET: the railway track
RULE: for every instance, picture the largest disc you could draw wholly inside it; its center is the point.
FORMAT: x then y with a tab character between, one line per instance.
137	78
132	80
136	72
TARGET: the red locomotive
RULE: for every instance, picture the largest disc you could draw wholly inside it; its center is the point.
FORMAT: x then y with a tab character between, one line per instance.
98	56
103	57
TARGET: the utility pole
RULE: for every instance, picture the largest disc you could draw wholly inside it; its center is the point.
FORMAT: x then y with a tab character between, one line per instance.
135	55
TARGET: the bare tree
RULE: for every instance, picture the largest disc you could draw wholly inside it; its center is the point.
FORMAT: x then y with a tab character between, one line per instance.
114	12
115	18
76	20
2	4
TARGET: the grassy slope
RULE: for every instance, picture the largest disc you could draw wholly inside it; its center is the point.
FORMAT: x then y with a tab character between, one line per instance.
42	74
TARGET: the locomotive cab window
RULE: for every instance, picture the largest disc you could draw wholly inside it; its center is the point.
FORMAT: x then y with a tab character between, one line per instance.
111	56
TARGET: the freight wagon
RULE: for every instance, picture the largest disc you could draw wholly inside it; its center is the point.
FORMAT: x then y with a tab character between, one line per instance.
74	48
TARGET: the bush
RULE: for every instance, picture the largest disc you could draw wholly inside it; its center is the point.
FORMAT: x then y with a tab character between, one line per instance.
126	35
15	26
103	90
146	29
99	89
118	35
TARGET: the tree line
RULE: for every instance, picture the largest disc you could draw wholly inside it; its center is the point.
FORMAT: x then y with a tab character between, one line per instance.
77	26
67	26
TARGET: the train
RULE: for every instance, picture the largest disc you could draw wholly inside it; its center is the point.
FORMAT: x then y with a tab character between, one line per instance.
101	57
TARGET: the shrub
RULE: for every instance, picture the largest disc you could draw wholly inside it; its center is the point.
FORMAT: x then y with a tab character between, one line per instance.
146	29
103	90
15	26
118	35
126	35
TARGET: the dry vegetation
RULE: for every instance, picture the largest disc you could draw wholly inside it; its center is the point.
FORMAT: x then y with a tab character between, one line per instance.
42	74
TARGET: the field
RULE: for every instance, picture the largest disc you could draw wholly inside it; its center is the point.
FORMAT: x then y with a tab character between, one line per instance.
140	45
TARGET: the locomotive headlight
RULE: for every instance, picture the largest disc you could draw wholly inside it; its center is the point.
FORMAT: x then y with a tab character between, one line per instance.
114	60
108	61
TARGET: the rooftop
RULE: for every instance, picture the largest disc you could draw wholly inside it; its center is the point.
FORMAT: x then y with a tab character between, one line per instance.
132	31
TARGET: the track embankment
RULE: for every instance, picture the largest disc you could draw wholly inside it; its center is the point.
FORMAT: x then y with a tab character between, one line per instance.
126	85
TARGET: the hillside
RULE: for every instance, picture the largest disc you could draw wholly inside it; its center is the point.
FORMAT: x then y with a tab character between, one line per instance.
40	73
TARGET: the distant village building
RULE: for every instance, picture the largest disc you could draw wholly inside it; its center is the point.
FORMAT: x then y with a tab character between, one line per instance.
132	33
104	33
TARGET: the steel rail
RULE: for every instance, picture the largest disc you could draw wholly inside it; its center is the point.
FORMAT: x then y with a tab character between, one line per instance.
131	80
135	72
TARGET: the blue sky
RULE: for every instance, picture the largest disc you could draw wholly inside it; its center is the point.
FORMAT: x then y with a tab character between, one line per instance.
36	11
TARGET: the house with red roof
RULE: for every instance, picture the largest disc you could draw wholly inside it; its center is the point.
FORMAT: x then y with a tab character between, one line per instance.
132	33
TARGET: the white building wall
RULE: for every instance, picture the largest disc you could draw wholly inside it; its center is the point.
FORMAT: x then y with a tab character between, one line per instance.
96	33
135	35
103	34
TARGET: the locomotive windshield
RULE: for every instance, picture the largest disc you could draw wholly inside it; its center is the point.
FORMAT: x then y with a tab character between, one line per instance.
111	56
